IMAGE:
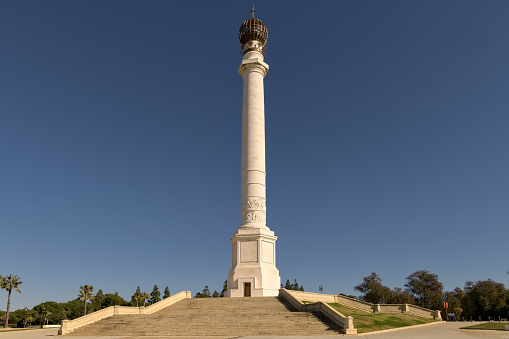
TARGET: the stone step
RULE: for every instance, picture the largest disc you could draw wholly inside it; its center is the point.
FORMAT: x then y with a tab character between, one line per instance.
216	316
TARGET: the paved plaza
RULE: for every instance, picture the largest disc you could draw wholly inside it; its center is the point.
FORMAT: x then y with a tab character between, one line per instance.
443	330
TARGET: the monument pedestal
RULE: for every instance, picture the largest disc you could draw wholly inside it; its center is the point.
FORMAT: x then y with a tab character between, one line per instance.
253	272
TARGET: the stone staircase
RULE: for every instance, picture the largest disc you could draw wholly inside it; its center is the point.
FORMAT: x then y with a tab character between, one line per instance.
216	317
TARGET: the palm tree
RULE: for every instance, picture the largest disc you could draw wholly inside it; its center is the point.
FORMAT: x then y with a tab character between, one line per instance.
9	283
30	319
137	297
86	292
145	296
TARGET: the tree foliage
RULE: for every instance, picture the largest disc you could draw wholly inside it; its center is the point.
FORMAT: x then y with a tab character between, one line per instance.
86	293
137	297
166	293
295	286
113	299
225	288
145	297
373	290
487	297
204	294
426	289
9	284
51	312
98	300
155	295
400	296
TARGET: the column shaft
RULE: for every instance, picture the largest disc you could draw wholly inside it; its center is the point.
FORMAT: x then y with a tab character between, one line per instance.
253	206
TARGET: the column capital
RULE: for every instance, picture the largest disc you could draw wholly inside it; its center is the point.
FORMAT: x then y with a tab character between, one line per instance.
254	64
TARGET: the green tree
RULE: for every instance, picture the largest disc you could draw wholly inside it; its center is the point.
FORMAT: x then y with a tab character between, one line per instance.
166	292
145	297
137	296
9	283
225	288
400	296
204	294
295	286
73	309
53	312
426	289
466	302
41	314
215	294
114	300
98	300
86	292
457	312
17	317
488	297
453	300
30	319
155	295
373	290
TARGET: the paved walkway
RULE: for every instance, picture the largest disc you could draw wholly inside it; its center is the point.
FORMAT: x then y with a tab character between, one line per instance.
439	331
450	330
46	333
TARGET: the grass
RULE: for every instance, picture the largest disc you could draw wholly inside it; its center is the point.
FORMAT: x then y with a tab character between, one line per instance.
490	326
369	322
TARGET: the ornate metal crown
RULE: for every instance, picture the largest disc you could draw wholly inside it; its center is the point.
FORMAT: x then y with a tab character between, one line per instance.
253	30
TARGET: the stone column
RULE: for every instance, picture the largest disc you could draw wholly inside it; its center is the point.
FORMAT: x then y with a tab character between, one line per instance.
253	207
254	271
254	244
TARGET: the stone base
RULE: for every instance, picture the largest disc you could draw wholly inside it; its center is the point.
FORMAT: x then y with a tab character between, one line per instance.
253	273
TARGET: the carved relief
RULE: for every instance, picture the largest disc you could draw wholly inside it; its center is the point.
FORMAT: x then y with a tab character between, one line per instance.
253	217
253	204
253	210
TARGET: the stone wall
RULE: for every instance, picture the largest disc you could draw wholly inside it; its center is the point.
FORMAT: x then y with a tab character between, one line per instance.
346	323
309	296
368	307
392	308
424	312
70	325
362	305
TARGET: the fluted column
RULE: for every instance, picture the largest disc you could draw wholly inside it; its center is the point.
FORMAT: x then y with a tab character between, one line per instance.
253	205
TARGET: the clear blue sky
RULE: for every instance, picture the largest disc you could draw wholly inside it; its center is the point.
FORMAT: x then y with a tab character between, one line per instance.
120	129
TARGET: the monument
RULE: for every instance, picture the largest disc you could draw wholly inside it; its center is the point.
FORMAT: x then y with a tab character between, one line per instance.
254	272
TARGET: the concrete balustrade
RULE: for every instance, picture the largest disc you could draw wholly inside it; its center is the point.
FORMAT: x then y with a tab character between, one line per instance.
361	305
424	312
70	325
346	323
368	307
